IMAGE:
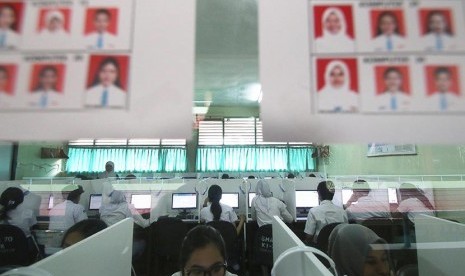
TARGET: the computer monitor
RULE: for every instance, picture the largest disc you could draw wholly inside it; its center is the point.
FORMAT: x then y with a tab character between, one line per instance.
230	199
346	194
306	199
51	202
392	195
95	201
184	201
142	201
251	196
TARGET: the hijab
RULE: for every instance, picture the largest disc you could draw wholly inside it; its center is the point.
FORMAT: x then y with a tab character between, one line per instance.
116	199
356	241
263	193
329	68
339	41
106	173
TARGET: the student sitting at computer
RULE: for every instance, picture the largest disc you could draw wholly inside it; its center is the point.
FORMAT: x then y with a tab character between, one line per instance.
362	205
213	210
265	206
118	209
325	213
203	252
357	250
69	212
413	202
14	212
82	230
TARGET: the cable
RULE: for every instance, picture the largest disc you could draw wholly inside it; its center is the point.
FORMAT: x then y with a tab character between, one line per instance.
302	249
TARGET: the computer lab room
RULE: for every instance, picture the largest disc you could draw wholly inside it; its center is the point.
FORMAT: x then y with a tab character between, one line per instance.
232	138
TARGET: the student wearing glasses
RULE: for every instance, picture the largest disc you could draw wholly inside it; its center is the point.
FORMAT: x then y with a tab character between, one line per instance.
203	252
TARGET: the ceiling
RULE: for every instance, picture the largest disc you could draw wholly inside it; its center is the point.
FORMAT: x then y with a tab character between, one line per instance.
226	67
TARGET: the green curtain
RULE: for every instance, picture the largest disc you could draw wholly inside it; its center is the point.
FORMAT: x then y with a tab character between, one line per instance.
254	158
133	159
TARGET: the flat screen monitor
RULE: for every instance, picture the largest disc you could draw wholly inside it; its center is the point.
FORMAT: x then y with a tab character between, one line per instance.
184	201
346	194
95	201
141	201
306	199
251	196
51	202
230	199
392	195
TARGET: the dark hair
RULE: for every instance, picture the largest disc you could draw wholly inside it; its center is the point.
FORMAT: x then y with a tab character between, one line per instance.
14	26
130	176
381	16
390	70
85	228
74	195
312	175
106	61
361	186
102	11
225	176
408	190
10	199
442	70
197	238
290	175
43	70
251	177
214	195
324	192
430	15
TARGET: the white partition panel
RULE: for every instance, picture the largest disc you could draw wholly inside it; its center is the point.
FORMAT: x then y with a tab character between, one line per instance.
440	246
108	252
302	264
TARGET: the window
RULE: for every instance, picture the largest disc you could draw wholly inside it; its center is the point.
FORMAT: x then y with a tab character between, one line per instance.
129	155
236	144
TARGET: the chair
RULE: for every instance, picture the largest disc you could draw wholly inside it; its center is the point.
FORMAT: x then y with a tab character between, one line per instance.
383	227
166	236
263	248
323	237
14	248
229	234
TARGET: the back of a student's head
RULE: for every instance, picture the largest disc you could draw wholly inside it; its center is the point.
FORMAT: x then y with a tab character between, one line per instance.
202	238
225	176
9	200
82	230
290	176
214	195
361	186
325	190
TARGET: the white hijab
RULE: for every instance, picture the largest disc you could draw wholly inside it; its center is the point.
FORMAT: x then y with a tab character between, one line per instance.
329	68
339	41
116	199
263	193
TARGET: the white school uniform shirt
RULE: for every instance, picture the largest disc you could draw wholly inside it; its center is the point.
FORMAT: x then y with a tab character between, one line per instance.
322	215
6	100
453	102
430	42
116	96
65	215
10	39
413	207
108	40
383	101
121	211
264	208
227	213
380	43
337	100
367	207
22	217
54	98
